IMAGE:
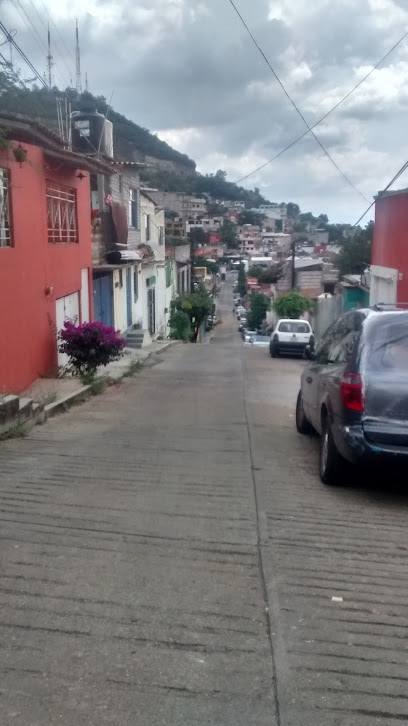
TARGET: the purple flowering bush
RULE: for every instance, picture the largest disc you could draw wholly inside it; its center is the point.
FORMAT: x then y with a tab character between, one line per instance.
89	346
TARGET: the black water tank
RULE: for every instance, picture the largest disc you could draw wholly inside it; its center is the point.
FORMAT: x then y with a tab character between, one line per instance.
91	132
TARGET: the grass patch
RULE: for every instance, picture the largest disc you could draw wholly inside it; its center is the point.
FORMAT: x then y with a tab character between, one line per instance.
17	432
98	386
134	367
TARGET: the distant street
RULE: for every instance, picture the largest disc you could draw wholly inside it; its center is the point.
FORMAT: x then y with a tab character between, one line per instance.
169	557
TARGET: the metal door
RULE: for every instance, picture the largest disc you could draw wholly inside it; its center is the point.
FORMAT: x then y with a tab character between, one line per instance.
151	306
102	288
129	296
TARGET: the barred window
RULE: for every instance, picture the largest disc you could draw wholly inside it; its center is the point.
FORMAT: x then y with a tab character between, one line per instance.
5	227
61	213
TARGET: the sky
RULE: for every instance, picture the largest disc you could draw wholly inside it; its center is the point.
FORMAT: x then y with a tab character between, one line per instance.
188	71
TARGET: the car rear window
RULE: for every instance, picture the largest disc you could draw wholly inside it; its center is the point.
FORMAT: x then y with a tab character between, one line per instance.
294	328
387	346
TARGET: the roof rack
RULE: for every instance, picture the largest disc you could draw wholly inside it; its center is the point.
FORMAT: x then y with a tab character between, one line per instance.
380	306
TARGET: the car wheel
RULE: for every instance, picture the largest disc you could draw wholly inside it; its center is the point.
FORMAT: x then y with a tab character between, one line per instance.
331	464
273	351
302	424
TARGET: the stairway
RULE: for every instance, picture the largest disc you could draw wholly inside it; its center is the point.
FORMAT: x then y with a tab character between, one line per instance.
19	413
138	338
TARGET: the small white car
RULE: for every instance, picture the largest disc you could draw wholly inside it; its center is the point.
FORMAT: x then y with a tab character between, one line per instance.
291	337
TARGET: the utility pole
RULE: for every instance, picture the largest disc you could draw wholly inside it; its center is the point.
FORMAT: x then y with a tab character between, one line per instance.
49	59
78	62
293	266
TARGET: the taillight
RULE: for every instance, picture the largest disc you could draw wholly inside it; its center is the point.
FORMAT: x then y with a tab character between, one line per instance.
351	389
276	337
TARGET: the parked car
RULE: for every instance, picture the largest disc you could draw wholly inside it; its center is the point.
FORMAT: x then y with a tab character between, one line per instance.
242	324
263	340
246	335
290	337
354	391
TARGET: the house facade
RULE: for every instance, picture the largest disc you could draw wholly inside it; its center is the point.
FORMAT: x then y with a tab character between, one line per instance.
389	255
45	249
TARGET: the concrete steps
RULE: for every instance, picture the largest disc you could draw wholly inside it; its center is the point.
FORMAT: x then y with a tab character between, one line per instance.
19	413
138	338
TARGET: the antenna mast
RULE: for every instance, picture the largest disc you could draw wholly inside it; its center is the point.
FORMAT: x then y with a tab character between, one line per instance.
86	82
78	62
49	59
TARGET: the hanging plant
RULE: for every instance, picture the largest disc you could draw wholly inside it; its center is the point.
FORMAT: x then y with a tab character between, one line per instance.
20	154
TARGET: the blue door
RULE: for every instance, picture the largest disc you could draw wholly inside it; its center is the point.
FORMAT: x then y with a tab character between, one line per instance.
102	289
129	296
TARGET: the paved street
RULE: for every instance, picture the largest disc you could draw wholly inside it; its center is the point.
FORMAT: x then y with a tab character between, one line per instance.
168	556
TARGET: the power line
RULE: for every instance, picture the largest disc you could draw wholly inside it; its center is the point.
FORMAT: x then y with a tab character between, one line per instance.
374	68
297	109
398	174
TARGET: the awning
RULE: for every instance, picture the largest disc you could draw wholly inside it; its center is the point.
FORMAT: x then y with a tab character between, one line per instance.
118	257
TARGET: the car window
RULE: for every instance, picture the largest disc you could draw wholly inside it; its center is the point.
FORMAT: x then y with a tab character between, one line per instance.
294	327
338	343
388	347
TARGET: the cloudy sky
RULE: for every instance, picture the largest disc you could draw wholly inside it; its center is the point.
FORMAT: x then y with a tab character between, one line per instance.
188	70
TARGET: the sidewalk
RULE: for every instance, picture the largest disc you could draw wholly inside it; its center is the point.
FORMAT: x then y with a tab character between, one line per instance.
55	394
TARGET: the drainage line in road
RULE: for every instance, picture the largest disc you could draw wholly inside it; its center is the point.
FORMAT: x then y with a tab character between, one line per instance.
260	557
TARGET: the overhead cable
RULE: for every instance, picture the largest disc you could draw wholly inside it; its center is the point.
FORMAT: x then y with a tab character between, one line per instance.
297	109
323	118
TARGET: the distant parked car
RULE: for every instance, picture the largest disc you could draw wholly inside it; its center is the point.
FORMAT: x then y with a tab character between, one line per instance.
290	337
354	391
246	335
263	340
242	324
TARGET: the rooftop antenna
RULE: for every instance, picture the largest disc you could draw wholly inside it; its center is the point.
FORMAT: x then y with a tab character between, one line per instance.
49	59
78	62
86	81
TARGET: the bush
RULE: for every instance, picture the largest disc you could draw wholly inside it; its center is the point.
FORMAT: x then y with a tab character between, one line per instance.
259	308
89	346
292	305
180	326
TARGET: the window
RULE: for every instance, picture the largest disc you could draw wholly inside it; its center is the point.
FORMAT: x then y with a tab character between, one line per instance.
161	235
5	229
294	327
147	227
338	343
61	213
133	211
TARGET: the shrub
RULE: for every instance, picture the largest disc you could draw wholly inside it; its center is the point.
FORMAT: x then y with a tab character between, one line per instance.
180	326
292	305
89	346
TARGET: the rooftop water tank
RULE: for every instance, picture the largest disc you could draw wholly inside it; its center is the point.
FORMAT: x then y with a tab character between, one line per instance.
91	132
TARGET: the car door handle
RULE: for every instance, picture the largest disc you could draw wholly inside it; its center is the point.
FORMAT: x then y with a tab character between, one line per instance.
309	379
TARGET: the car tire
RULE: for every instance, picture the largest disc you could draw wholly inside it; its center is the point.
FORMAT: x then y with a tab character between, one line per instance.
302	424
331	464
273	351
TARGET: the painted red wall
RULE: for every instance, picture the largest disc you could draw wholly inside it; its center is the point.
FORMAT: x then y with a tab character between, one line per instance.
28	347
390	243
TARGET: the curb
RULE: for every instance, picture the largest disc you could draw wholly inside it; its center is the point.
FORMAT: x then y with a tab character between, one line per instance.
60	406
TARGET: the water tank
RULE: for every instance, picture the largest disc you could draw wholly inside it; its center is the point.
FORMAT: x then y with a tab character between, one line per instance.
91	132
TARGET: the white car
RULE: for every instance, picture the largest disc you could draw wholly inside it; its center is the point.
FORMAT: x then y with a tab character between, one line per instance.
291	337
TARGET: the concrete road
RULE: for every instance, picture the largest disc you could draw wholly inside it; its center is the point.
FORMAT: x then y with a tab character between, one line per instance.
169	556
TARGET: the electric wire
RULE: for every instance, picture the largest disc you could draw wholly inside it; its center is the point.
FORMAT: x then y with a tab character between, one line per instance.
380	194
297	109
323	118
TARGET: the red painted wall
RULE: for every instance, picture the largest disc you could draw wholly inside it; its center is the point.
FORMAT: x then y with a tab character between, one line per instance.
28	347
390	243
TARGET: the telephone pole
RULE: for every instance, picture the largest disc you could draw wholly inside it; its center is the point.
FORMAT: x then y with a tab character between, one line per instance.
78	62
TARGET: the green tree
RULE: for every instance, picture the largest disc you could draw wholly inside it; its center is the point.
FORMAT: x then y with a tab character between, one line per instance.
356	252
242	280
269	276
292	305
293	210
197	237
228	233
259	308
255	271
180	325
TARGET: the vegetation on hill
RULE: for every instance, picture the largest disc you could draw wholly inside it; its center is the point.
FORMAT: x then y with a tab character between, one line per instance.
128	137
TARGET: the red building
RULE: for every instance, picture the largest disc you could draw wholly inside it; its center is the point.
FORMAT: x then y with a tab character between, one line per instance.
389	270
45	247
